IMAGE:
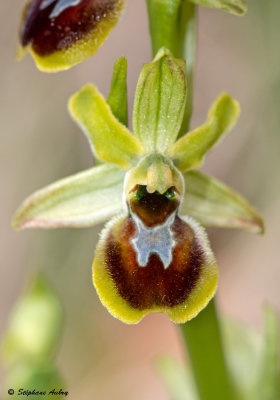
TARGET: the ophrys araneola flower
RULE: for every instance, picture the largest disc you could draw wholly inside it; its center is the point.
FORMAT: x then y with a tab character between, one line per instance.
153	256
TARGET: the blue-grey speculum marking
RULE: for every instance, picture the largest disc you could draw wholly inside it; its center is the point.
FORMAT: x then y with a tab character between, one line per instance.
59	7
158	240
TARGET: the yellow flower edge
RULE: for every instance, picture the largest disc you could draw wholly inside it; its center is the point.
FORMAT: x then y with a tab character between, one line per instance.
119	308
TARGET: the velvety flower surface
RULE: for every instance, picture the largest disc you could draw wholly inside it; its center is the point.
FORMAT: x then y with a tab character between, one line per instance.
154	255
179	285
62	33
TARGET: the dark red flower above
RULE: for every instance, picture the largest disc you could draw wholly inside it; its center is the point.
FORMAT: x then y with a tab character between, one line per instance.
52	27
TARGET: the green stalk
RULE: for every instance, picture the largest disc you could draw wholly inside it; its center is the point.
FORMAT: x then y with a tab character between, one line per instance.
203	340
173	25
187	27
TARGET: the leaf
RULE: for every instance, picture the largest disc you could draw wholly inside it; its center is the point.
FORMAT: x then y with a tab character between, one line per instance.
243	355
212	203
189	151
117	98
254	360
110	140
35	324
178	380
159	102
81	200
268	387
237	7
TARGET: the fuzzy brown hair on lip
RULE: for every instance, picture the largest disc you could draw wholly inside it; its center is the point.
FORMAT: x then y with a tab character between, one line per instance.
152	285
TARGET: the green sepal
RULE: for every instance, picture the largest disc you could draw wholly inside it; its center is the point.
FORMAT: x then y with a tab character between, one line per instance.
35	325
236	7
81	200
189	151
117	97
159	102
212	203
110	140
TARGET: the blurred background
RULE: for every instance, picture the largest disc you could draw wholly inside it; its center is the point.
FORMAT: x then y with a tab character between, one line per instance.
100	357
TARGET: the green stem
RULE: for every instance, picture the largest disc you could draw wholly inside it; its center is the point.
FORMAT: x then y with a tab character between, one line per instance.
173	25
187	26
202	337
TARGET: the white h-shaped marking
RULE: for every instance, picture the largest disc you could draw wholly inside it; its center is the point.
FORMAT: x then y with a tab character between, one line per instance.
158	239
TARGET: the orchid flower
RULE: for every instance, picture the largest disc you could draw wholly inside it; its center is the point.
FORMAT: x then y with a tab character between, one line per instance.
62	33
154	254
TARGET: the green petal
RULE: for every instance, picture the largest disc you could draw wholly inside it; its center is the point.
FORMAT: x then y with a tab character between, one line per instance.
81	200
117	98
111	141
237	7
189	151
212	203
159	102
35	325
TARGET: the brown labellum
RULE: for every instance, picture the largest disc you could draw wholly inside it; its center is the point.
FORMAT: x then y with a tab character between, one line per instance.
53	25
153	285
152	260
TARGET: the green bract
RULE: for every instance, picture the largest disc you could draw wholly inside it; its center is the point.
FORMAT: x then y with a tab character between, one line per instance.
150	239
117	98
